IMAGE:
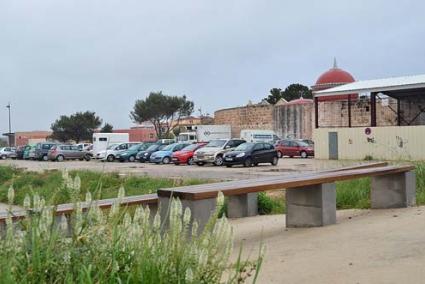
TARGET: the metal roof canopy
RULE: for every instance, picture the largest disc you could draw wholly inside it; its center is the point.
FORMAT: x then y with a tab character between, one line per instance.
394	87
408	88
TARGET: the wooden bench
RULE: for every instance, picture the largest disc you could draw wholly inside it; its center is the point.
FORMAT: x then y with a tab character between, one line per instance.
310	198
150	200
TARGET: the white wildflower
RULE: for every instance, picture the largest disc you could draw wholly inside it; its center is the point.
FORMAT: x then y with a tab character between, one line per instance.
88	197
27	202
63	224
67	258
186	216
36	202
189	275
10	195
203	258
157	221
121	193
195	228
220	200
77	183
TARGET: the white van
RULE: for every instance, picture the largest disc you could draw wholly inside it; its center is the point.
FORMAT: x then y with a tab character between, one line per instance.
259	135
101	141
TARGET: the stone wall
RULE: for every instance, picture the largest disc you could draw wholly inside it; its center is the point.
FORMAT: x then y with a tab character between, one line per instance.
259	116
293	120
335	114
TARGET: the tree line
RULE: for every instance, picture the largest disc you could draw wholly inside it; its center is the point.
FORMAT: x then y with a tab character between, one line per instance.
163	111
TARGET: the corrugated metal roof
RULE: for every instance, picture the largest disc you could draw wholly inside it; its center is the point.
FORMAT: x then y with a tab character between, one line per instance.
379	85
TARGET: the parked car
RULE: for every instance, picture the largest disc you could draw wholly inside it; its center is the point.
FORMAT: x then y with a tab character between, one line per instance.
249	154
42	149
20	152
214	150
144	156
308	141
130	154
67	152
7	152
113	150
185	156
29	152
293	148
164	156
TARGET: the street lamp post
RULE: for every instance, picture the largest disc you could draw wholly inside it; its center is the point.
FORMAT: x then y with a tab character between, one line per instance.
10	126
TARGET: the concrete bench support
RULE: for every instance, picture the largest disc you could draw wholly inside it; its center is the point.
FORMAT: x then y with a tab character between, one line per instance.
243	205
311	206
201	209
393	191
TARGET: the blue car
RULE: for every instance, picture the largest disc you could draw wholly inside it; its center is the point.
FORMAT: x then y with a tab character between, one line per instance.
164	156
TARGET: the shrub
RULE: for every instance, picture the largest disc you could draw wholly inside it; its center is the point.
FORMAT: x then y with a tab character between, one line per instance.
118	247
270	205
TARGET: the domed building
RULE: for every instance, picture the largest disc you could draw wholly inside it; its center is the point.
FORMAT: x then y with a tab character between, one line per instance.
334	77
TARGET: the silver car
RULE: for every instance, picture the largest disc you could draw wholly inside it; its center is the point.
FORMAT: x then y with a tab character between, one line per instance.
67	152
7	152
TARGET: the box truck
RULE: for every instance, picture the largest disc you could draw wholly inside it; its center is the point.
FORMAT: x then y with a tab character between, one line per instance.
101	141
206	133
259	135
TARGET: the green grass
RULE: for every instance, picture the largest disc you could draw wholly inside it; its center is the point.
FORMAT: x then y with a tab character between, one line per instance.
49	184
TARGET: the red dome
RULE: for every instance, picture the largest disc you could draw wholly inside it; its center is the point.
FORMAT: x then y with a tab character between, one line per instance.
335	76
332	78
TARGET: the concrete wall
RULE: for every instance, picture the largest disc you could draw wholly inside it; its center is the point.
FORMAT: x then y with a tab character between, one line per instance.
386	143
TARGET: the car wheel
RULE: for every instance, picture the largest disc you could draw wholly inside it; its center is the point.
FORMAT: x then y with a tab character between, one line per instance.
256	164
275	161
166	160
176	164
131	159
200	164
3	157
87	158
190	161
303	154
110	158
228	166
279	154
247	163
218	161
59	158
45	158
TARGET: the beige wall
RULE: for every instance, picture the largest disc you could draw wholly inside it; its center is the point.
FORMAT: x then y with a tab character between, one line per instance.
386	143
247	117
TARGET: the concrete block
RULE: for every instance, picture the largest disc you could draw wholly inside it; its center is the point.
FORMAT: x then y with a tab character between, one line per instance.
393	191
311	206
201	210
243	205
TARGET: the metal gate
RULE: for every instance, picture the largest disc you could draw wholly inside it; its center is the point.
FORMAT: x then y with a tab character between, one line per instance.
333	145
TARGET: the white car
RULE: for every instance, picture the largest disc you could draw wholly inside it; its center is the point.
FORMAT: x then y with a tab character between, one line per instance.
113	150
213	152
7	152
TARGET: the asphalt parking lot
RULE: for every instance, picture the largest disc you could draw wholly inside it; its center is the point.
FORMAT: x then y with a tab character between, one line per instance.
285	166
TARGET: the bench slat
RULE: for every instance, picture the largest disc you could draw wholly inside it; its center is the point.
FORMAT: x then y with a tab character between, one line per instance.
229	188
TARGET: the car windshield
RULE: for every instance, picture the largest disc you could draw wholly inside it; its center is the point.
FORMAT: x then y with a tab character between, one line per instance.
153	147
190	147
302	144
134	147
169	147
245	147
112	146
216	143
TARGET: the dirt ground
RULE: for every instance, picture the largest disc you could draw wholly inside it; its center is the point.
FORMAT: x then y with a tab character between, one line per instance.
285	166
365	246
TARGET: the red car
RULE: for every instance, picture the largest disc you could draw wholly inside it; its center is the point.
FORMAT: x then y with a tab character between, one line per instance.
293	148
185	156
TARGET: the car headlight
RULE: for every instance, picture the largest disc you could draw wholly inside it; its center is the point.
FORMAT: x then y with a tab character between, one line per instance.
145	154
240	155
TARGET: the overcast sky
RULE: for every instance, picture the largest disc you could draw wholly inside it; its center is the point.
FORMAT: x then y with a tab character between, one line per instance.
62	56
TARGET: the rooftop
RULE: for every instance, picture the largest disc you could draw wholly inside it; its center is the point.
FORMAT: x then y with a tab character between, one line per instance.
376	86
